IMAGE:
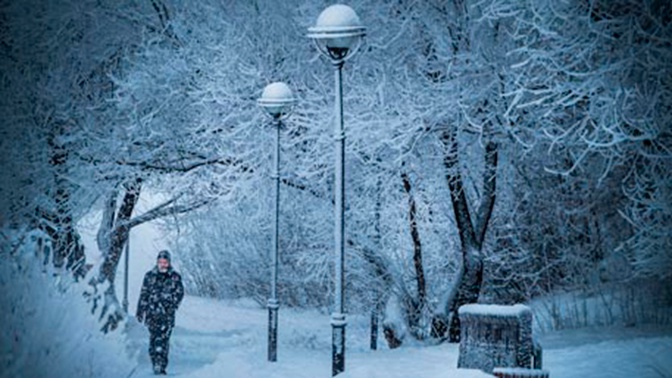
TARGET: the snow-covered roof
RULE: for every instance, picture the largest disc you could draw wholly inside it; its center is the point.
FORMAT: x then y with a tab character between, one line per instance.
494	310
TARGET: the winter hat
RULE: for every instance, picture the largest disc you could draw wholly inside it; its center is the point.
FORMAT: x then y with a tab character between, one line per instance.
163	255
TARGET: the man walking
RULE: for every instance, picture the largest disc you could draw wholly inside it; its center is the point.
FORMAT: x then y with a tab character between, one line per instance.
161	294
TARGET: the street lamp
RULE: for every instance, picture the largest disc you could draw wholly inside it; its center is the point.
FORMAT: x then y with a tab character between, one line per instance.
338	35
124	302
277	101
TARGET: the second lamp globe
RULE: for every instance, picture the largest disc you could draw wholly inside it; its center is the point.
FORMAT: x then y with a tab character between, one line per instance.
277	99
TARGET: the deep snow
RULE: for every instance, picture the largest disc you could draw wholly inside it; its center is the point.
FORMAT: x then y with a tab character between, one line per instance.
228	339
46	326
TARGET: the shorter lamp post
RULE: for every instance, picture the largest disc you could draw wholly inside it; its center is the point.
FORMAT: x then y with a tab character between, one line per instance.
337	35
277	100
124	302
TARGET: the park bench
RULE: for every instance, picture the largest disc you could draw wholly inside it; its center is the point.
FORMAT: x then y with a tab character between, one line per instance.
498	336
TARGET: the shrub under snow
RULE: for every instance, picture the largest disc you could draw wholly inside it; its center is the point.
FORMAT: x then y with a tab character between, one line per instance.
46	325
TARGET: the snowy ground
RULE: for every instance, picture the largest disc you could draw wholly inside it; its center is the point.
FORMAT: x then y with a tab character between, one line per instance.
228	339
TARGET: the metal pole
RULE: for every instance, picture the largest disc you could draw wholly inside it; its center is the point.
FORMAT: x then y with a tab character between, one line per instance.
273	303
124	303
374	329
338	321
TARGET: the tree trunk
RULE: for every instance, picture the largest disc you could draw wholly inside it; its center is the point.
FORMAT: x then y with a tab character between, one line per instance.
391	337
417	245
67	249
111	240
417	308
472	235
384	280
375	319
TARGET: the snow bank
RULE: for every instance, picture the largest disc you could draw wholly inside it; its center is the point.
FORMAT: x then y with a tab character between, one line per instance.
622	353
639	303
47	326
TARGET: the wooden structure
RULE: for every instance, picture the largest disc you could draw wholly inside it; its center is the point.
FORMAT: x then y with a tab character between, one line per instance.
497	336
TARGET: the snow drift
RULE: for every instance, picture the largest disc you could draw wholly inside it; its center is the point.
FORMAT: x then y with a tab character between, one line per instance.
47	326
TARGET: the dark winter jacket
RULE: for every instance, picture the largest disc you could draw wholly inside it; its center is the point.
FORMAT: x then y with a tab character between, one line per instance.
160	297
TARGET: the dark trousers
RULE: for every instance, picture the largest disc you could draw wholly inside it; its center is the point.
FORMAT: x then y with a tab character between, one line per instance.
159	344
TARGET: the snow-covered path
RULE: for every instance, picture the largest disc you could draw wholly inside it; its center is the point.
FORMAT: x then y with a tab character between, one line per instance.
204	330
228	339
190	350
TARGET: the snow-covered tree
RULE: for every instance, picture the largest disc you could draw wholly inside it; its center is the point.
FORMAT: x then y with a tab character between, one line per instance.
496	150
593	80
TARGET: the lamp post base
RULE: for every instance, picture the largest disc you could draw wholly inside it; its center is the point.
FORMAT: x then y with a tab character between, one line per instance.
273	330
337	343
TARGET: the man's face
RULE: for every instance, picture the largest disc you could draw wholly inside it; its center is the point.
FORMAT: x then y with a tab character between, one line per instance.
163	264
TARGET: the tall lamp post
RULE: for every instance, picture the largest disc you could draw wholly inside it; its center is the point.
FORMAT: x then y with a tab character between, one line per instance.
277	101
337	35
